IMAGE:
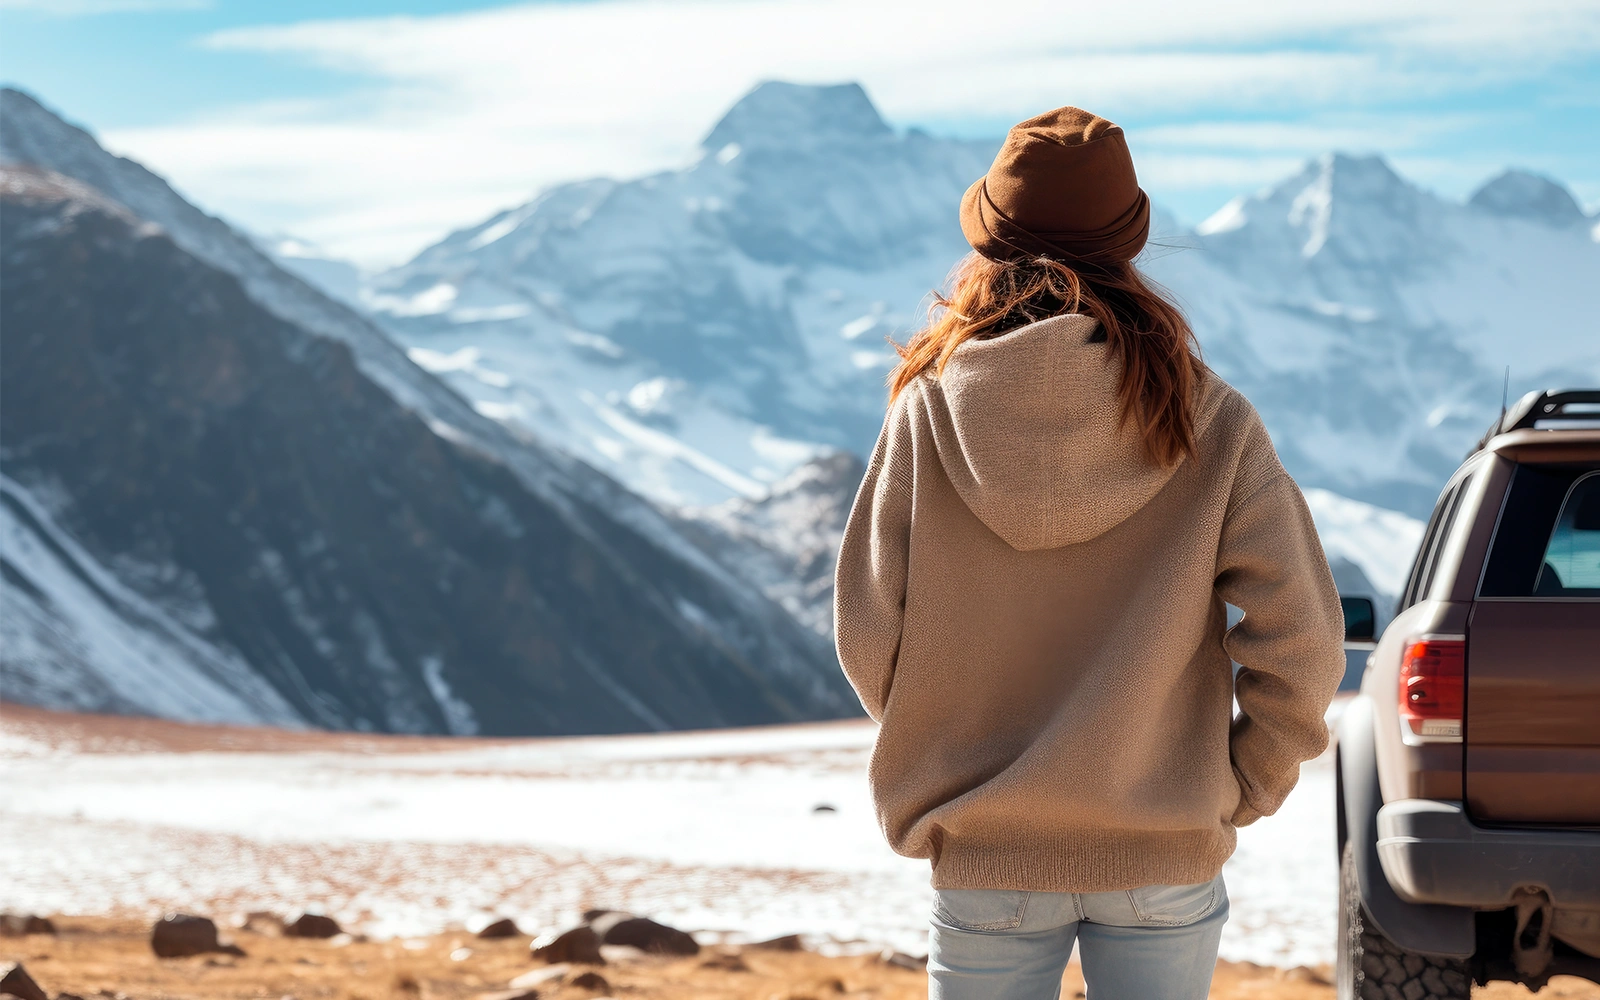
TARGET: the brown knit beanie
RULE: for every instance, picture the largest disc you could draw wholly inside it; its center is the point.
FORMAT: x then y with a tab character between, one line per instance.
1062	187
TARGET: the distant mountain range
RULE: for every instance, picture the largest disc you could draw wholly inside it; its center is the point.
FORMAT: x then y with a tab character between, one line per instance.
228	497
701	333
666	385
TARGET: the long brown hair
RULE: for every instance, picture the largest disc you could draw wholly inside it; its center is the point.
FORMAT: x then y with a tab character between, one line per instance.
1159	356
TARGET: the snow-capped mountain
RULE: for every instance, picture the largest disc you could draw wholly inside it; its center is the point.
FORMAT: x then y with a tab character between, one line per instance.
701	333
228	497
1371	322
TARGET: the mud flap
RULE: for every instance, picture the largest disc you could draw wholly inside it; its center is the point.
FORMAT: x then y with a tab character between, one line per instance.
1443	931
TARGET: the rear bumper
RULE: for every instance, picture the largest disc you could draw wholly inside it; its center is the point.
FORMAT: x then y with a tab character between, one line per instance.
1432	853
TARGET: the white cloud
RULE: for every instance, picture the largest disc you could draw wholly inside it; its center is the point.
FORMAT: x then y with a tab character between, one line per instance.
475	111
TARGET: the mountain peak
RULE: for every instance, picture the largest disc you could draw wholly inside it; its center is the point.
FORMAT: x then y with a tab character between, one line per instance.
1528	196
780	113
1370	172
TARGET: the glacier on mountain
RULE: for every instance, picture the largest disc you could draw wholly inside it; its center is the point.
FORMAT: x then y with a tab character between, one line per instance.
701	333
704	333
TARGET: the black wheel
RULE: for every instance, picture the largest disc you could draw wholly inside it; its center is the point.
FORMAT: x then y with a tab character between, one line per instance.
1371	967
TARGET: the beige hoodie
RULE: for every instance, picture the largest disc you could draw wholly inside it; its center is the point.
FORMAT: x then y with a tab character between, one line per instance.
1034	613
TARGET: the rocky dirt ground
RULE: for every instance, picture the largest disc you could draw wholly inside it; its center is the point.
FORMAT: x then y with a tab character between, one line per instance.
110	959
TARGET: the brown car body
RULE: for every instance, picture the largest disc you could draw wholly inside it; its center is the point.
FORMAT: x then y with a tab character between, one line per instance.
1491	825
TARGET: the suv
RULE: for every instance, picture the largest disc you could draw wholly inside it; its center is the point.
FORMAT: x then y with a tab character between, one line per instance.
1469	763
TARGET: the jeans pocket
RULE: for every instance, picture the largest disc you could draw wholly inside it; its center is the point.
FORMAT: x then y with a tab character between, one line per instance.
1177	905
980	909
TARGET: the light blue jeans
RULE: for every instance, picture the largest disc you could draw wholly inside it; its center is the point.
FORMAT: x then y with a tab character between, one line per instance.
1154	943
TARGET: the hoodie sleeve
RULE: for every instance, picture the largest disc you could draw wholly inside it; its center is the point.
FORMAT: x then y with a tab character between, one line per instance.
869	596
1290	642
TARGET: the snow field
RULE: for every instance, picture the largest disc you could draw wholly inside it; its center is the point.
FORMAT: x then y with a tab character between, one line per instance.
712	831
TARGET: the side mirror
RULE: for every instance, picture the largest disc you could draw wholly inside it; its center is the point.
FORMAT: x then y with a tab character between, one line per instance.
1360	619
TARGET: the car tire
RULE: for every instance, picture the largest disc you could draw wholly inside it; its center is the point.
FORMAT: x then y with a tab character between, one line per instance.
1371	967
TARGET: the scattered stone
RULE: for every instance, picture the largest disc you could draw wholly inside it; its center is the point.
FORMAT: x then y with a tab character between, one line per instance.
643	933
581	944
508	995
15	981
725	963
69	996
23	924
548	974
503	928
261	922
901	960
824	807
312	925
594	982
788	942
178	935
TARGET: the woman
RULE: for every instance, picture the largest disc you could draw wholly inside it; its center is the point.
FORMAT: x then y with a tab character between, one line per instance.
1031	599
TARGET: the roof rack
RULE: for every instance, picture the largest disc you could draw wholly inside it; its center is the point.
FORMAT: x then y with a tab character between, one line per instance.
1550	405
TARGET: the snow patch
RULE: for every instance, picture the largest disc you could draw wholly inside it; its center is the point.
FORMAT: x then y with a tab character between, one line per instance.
74	635
1225	219
708	831
1381	542
458	717
490	234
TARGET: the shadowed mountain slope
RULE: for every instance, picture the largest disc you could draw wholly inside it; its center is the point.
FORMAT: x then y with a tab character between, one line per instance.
293	545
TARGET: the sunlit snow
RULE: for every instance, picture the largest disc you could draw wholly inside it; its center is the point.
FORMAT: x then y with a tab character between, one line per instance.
712	831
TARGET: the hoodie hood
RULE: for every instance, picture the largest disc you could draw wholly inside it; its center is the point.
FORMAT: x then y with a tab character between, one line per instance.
1029	430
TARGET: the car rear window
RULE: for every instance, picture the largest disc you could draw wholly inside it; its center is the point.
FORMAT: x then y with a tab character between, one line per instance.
1572	559
1547	543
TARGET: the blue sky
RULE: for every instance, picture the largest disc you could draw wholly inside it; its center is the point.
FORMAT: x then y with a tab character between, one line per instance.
373	128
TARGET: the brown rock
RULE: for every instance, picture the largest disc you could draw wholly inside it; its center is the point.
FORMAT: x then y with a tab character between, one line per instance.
503	928
312	925
179	934
581	944
789	942
644	934
21	924
15	981
508	995
594	982
262	922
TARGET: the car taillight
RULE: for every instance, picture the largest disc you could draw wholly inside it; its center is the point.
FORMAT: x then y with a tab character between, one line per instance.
1432	679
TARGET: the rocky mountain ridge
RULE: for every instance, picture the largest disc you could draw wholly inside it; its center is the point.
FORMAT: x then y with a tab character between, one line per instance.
215	511
703	333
